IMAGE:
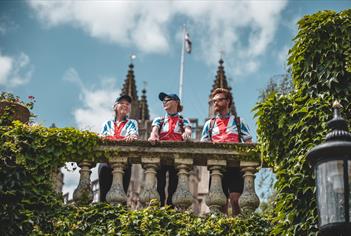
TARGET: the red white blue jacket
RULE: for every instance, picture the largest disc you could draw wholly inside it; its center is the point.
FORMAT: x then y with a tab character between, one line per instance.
172	127
225	130
119	130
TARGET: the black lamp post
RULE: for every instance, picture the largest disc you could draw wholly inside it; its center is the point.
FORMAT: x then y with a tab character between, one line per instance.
331	161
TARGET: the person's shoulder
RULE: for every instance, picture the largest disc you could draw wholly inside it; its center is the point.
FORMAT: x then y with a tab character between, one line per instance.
207	122
107	122
159	118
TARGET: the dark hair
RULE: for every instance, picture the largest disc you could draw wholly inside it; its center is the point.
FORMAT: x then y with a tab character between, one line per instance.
226	92
180	107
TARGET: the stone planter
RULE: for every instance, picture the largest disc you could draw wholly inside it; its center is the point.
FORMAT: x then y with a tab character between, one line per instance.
15	111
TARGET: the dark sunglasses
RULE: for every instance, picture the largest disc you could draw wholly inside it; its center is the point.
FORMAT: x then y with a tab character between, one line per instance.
167	100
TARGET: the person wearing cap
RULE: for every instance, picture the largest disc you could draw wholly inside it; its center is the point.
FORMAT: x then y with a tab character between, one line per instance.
171	127
224	128
120	128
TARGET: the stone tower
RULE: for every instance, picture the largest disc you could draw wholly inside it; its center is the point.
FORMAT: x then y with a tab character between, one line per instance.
143	107
220	82
129	88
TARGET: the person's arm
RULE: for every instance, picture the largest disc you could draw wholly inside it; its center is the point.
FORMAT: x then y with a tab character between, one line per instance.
245	132
187	130
205	136
133	131
107	130
154	136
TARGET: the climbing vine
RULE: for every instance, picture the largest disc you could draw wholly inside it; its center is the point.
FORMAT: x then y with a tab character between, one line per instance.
291	124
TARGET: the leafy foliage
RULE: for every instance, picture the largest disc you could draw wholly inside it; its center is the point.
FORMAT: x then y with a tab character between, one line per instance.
104	219
28	156
29	205
291	124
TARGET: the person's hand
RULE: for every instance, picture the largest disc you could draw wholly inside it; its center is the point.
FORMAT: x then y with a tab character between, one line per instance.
154	138
130	138
248	141
187	134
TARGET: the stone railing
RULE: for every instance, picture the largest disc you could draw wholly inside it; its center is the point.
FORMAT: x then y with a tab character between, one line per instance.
184	155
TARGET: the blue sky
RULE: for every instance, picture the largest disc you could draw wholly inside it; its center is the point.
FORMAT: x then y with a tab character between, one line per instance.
73	56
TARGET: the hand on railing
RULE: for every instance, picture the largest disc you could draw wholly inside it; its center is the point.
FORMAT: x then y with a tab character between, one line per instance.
131	138
187	134
154	136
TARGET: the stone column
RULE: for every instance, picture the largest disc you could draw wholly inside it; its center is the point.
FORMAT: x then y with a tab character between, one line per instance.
182	197
249	200
149	191
216	199
83	194
116	194
57	180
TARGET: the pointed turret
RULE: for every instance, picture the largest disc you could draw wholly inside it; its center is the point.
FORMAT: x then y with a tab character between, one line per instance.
129	88
143	106
220	82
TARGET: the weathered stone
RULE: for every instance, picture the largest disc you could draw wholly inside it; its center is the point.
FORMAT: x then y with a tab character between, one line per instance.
183	198
149	190
248	200
83	194
116	194
216	199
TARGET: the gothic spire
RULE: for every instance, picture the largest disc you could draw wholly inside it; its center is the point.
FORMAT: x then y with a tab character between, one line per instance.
143	106
220	82
129	88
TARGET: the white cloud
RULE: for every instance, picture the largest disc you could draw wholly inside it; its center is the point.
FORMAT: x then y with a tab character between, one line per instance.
97	102
15	71
7	25
243	29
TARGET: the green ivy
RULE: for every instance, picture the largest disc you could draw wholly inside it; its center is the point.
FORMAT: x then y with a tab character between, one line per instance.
29	205
291	124
105	219
28	155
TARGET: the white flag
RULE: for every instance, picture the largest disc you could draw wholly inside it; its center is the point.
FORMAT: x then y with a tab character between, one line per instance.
187	43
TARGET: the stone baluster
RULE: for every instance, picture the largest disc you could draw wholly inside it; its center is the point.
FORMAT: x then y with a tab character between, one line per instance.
57	180
116	194
216	199
149	191
182	197
83	194
249	200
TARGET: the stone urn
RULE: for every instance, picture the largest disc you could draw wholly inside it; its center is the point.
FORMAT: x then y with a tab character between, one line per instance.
13	111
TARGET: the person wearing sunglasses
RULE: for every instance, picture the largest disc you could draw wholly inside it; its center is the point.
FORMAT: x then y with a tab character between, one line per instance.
120	128
225	128
171	127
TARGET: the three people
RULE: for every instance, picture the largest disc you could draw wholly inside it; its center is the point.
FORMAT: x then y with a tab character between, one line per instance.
171	127
120	128
225	127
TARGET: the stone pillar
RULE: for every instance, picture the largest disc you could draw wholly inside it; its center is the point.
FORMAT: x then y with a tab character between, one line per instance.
249	200
216	199
182	197
116	194
83	194
57	180
149	191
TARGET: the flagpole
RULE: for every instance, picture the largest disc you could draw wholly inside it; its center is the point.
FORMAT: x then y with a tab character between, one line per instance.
182	65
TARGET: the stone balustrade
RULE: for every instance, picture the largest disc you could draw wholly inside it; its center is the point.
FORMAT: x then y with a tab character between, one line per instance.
183	155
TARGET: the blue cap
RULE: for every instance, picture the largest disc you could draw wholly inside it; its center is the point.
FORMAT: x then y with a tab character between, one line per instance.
173	96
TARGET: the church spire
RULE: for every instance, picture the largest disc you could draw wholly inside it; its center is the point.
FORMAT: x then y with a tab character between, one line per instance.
143	106
129	88
220	82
